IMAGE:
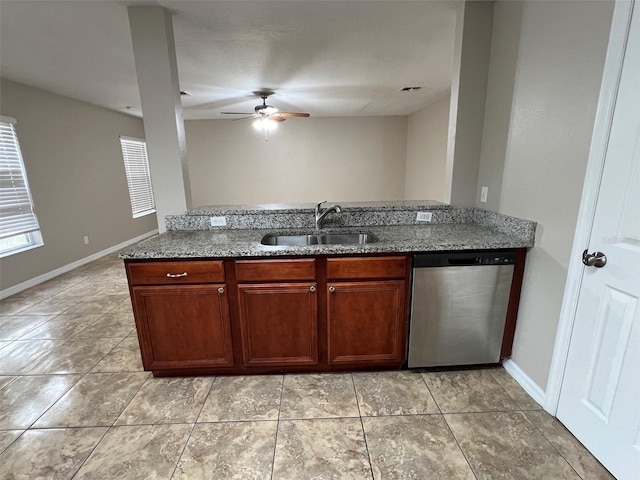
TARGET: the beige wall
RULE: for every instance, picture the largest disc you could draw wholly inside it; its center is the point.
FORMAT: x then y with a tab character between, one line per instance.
468	97
76	174
306	160
553	102
427	153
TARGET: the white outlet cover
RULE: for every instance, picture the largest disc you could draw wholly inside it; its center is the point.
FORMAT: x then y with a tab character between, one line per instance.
423	217
218	221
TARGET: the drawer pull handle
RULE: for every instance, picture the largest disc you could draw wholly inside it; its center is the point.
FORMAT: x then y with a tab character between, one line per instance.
177	275
312	288
332	289
221	290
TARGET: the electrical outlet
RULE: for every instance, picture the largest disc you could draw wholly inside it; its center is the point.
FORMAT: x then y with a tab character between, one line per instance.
86	240
484	193
218	221
423	217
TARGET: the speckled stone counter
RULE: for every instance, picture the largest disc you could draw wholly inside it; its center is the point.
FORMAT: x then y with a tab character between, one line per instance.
391	239
394	225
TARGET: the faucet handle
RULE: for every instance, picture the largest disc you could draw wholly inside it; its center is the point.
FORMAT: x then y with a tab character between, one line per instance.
319	205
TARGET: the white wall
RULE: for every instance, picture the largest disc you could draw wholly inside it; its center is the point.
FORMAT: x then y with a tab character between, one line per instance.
76	173
305	160
425	175
553	102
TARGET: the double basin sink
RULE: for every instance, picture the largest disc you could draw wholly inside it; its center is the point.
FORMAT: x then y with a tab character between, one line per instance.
304	240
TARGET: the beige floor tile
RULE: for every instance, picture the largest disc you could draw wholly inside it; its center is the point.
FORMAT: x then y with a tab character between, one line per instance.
136	452
468	391
167	400
51	454
6	380
99	304
321	448
19	357
514	390
318	396
26	398
78	355
420	447
13	327
16	304
51	306
507	445
393	393
7	437
242	450
96	400
83	289
125	357
254	397
117	325
571	449
124	306
61	326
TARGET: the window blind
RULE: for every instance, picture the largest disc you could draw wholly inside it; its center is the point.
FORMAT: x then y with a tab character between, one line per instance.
136	165
17	215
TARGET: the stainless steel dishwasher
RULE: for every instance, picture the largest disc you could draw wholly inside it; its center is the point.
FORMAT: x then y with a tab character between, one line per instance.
459	307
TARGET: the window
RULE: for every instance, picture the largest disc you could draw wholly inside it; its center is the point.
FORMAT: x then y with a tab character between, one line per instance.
19	228
136	165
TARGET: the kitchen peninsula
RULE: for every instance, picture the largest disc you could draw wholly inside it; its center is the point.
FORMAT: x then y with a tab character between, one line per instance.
215	299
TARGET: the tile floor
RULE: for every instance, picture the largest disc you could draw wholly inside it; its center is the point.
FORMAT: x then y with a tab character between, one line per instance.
75	403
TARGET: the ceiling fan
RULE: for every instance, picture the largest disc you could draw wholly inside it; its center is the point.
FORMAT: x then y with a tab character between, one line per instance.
266	116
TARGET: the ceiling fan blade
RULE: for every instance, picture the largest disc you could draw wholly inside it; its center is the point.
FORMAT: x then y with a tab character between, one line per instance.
293	114
277	118
236	113
244	118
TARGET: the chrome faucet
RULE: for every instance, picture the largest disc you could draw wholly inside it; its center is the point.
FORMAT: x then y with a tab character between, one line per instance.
320	215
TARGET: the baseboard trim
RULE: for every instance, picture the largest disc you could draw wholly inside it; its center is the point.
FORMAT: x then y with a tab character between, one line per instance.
67	268
531	387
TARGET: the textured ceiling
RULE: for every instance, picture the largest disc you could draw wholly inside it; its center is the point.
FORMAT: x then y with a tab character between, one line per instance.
328	58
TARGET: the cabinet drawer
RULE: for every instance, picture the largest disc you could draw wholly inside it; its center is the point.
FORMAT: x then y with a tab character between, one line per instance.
160	273
275	270
366	267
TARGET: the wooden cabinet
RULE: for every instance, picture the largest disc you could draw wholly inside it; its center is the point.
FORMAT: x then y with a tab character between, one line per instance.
180	325
366	318
279	315
366	322
270	315
279	324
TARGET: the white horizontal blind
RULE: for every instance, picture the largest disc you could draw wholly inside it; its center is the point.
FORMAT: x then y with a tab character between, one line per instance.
16	206
136	165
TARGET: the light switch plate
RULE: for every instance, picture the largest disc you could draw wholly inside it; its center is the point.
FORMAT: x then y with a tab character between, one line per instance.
484	193
218	221
423	217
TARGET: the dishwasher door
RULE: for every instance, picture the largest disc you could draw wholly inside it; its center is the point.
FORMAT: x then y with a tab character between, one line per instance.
459	308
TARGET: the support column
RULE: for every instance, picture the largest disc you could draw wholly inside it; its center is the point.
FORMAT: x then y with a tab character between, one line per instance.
156	67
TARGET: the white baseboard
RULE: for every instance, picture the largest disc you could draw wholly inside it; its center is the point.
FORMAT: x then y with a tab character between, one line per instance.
66	268
531	387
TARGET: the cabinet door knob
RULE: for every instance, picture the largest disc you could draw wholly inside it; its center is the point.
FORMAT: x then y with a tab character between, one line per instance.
332	289
221	290
312	288
177	275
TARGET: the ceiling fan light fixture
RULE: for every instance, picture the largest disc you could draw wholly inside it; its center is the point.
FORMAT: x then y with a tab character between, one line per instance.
265	124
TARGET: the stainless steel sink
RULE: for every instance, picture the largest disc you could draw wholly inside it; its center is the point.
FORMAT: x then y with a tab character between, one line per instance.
318	239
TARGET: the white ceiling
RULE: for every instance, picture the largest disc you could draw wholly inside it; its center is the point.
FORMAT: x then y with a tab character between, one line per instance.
325	57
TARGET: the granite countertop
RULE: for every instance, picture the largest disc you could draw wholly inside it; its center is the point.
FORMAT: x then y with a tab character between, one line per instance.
391	239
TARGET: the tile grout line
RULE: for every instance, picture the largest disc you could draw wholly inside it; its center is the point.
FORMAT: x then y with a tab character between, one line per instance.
91	452
193	427
275	441
364	433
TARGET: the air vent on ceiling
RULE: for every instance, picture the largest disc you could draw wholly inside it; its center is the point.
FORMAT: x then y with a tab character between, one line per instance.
409	89
184	93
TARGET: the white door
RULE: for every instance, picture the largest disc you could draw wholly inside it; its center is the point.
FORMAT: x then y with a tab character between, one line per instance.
600	395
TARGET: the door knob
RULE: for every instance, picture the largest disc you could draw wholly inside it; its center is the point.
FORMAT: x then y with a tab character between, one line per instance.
597	259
